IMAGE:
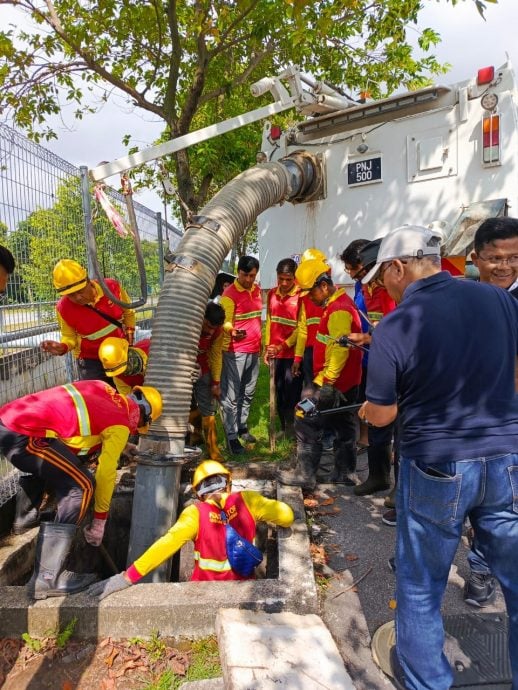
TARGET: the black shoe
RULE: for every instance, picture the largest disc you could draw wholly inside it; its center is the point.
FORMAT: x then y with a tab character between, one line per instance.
235	447
390	517
480	589
341	478
392	564
246	436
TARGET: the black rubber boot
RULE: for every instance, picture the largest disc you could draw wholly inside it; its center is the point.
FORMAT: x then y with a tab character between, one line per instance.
379	471
28	501
345	464
304	473
49	579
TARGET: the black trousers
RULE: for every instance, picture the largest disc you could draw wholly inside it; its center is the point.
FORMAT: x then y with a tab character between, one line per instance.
310	429
288	389
55	465
92	369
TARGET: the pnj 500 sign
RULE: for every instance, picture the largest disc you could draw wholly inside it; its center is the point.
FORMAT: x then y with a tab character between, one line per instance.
364	172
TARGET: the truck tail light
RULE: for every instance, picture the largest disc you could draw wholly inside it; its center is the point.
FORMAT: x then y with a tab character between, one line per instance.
491	138
275	132
485	75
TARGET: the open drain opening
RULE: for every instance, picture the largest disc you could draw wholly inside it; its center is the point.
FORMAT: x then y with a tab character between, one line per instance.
85	558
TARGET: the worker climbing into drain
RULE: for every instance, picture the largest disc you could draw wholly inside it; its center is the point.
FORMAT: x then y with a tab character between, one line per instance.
211	522
52	436
127	366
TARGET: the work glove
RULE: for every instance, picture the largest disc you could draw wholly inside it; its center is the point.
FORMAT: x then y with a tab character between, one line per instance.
102	589
328	397
94	532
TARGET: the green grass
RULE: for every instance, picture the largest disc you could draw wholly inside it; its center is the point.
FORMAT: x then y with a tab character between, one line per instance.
258	423
204	664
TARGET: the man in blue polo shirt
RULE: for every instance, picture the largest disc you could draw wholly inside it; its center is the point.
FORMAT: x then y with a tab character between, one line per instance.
458	406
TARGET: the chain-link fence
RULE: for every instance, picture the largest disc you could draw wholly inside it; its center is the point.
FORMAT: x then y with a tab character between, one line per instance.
44	209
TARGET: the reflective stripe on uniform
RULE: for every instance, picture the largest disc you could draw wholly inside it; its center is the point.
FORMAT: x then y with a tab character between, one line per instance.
247	315
210	564
83	417
100	333
325	339
313	321
283	321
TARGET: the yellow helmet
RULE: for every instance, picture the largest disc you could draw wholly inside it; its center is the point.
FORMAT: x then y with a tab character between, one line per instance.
152	400
113	354
313	253
208	468
309	271
69	276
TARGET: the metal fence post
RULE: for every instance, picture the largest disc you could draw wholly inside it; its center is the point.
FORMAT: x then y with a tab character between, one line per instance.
86	203
160	236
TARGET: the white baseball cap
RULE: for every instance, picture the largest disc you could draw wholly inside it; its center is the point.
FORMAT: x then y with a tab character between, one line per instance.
413	241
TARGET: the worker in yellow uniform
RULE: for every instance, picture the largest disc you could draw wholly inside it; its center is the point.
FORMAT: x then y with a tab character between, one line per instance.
51	435
87	316
124	364
203	523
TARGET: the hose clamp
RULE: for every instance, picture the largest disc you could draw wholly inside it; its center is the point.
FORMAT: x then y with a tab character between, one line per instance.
204	222
192	265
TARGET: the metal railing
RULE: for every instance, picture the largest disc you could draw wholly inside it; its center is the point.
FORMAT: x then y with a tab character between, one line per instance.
43	219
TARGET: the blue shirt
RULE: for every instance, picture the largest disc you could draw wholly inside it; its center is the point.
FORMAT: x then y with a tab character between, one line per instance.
447	357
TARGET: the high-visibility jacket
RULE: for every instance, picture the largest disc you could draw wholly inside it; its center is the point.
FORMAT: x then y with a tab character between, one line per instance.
83	330
210	354
281	320
86	416
138	356
307	325
243	309
190	526
377	301
339	366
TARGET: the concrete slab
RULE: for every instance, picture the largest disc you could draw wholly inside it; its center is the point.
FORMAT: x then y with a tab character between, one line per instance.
175	609
281	650
17	556
209	684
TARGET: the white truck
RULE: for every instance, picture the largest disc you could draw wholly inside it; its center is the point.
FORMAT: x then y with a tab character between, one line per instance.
446	155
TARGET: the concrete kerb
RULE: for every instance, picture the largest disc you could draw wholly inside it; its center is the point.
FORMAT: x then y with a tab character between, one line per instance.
174	609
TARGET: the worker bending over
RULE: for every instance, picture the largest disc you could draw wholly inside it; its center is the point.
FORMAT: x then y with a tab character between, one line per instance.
51	435
202	523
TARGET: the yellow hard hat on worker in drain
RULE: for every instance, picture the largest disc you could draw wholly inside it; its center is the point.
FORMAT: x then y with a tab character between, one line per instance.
69	276
208	468
151	399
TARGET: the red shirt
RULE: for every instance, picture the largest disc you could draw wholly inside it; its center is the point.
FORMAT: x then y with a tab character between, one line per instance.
209	546
243	308
281	320
91	327
378	301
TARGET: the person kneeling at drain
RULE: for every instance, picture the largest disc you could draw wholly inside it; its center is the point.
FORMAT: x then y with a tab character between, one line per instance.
206	523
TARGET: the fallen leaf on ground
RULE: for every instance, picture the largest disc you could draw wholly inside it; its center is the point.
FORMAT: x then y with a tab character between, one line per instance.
111	657
106	641
351	557
310	503
67	685
108	684
328	501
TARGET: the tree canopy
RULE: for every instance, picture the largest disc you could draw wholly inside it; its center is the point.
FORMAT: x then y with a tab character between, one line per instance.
191	63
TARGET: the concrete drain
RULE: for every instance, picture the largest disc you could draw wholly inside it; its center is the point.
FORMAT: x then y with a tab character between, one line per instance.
180	608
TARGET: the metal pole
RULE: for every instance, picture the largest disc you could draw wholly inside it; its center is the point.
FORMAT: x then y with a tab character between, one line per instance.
86	202
160	236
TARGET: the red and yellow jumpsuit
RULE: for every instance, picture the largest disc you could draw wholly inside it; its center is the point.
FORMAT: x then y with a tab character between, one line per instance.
308	320
49	435
201	523
83	329
281	329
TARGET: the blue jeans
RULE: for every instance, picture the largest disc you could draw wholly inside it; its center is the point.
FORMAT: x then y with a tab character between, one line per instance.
431	512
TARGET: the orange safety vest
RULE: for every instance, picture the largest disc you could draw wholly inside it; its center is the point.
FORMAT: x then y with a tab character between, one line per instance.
83	408
247	316
282	312
351	374
91	327
210	552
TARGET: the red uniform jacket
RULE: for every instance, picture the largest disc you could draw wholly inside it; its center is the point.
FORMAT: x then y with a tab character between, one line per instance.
92	327
282	320
248	306
351	373
209	546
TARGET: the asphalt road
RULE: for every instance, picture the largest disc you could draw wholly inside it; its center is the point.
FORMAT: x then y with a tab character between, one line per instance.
357	600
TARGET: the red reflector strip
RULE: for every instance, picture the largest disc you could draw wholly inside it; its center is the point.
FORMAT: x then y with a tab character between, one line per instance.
485	75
